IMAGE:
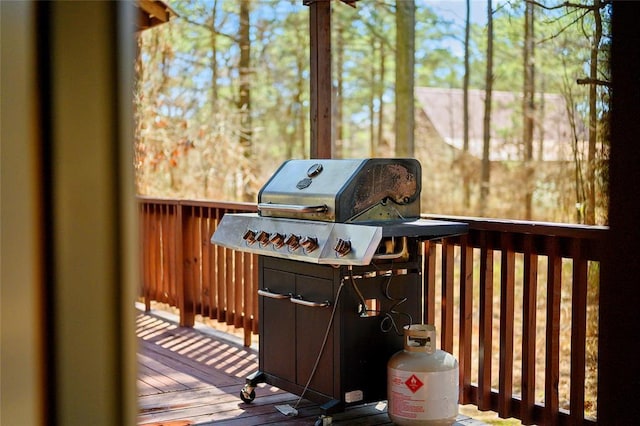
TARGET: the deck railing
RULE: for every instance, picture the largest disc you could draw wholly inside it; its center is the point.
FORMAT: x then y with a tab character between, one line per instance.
523	316
180	267
516	302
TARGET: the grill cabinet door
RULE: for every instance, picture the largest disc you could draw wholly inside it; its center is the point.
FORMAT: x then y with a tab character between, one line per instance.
311	326
277	326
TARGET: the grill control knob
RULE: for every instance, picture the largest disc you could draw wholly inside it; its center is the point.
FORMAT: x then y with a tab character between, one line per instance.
249	236
342	247
277	240
263	238
293	241
309	244
314	170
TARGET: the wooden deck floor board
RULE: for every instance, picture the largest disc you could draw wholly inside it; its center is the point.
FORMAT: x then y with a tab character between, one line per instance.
163	377
187	377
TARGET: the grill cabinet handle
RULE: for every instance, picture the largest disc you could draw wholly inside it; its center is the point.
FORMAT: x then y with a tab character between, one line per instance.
292	208
298	300
269	294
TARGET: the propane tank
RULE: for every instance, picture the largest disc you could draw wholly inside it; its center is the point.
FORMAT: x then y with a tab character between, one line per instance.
422	382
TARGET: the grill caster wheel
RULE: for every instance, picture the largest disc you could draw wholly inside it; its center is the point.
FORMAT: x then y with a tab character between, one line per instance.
248	394
323	421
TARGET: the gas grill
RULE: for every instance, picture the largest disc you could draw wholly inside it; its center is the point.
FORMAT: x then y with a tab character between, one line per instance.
340	274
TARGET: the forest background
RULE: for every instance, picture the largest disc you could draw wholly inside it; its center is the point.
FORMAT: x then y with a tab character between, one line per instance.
222	99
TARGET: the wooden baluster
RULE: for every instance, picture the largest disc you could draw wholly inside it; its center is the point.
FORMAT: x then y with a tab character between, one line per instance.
227	300
146	256
212	263
207	248
466	316
176	260
218	269
221	282
236	298
429	278
530	282
153	253
196	258
552	352
447	302
166	246
578	330
248	295
254	292
486	326
507	280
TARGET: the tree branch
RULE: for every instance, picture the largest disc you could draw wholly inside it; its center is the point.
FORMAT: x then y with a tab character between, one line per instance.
602	4
211	28
593	81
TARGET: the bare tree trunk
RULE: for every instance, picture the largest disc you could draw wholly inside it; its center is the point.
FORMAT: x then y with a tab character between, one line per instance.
339	128
380	88
466	198
590	215
575	147
301	84
372	99
244	99
405	50
486	146
528	107
302	126
213	99
214	59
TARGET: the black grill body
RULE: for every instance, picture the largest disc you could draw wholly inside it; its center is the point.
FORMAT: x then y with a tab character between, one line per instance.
352	365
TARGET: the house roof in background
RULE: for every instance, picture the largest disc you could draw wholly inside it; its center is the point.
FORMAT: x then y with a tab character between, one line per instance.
552	134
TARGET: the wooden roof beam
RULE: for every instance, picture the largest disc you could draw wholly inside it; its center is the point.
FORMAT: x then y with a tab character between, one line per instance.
152	13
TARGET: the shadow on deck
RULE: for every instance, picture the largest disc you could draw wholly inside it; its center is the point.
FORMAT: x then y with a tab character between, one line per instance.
193	376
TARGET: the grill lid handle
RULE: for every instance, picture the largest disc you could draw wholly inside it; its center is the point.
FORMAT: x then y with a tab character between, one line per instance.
292	208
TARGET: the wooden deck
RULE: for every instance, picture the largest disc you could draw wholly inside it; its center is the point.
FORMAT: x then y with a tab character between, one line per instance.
193	376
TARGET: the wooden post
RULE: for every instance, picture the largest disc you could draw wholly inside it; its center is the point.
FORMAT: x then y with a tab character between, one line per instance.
618	345
185	266
320	60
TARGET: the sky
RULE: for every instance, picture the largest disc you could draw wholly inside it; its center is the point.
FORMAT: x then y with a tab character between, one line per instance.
456	9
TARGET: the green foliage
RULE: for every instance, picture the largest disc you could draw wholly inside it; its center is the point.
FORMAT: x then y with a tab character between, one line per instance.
187	112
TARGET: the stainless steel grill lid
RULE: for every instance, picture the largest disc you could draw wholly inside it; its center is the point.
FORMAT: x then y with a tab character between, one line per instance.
343	190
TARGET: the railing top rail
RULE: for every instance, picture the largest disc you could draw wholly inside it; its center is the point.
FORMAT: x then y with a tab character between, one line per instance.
528	227
155	200
475	223
225	205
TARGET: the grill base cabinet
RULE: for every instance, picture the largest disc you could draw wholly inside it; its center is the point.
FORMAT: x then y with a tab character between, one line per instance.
352	365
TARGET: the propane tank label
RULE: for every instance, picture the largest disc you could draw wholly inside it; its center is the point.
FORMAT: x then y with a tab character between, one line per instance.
423	395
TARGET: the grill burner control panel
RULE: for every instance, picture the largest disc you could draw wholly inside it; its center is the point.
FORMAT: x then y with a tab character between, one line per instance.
308	241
